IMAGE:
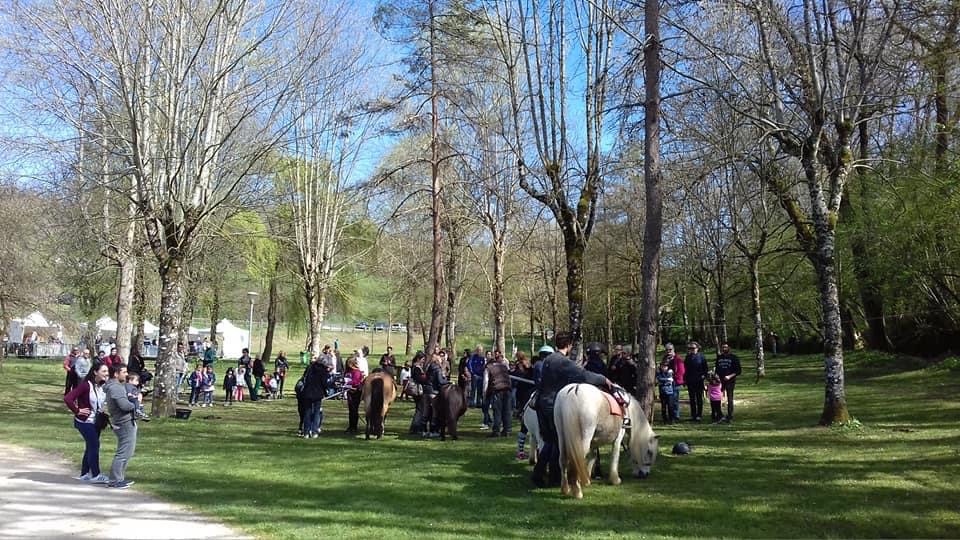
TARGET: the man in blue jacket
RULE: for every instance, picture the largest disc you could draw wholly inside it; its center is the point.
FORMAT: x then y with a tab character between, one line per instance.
477	365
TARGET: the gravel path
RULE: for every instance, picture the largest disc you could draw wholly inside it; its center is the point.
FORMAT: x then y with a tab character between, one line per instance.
39	499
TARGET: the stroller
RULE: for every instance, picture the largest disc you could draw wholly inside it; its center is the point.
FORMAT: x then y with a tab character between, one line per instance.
336	387
271	386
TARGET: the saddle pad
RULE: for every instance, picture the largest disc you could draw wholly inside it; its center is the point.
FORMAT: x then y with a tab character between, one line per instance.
615	408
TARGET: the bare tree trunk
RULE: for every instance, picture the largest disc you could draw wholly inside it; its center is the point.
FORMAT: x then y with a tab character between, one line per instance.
712	334
574	250
757	316
684	314
189	303
496	293
125	304
171	303
272	301
215	316
721	304
139	309
408	346
863	259
653	224
316	302
835	398
436	312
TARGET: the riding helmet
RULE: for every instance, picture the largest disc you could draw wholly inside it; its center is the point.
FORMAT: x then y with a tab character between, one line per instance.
546	349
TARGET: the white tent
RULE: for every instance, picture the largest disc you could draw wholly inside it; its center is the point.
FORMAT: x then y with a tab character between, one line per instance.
35	322
36	319
149	330
106	324
232	339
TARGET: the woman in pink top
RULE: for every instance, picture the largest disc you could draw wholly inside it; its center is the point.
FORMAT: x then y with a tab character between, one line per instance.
353	379
715	393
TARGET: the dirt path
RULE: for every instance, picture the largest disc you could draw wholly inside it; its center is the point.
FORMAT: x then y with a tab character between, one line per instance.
39	499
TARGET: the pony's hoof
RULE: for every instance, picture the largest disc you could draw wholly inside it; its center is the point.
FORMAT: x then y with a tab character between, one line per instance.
615	481
578	495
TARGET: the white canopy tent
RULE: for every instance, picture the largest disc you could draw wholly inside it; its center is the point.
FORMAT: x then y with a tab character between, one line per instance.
232	339
33	323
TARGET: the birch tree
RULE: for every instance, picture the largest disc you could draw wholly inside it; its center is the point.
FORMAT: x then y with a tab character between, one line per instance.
197	91
535	40
811	79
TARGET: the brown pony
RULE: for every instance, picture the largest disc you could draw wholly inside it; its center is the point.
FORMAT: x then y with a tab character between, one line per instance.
451	404
379	391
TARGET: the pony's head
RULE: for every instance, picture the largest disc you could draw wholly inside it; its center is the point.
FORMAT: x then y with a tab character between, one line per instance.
644	443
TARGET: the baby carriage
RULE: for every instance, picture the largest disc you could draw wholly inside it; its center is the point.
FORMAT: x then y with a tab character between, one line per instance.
271	386
336	387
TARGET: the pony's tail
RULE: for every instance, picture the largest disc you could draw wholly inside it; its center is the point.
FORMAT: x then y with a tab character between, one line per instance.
573	448
376	404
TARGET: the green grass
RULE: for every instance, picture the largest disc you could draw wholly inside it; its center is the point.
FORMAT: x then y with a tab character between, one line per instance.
896	473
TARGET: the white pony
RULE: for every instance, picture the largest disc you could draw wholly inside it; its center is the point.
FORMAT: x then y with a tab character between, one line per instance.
533	430
584	423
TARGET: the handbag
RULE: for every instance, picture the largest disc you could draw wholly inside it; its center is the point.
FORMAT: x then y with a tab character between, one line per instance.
413	389
102	420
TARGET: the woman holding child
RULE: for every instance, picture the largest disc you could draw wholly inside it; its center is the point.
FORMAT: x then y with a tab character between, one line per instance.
86	400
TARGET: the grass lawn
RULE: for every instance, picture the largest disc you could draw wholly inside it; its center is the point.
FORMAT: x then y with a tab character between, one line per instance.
772	474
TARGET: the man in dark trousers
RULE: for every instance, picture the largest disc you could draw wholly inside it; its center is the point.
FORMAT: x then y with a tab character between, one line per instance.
728	369
558	371
695	373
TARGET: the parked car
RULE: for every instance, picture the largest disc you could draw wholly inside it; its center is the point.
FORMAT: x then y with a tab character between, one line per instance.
397	327
380	327
362	326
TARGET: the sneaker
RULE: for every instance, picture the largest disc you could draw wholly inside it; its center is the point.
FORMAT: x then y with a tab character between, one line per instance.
83	477
314	435
521	456
493	435
123	484
100	479
484	426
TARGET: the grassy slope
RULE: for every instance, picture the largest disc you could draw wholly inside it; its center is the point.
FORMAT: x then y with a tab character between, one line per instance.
770	475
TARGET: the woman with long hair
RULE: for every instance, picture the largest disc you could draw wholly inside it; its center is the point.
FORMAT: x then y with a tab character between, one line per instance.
353	380
86	401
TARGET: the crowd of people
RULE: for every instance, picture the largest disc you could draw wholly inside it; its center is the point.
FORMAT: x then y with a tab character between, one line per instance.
104	391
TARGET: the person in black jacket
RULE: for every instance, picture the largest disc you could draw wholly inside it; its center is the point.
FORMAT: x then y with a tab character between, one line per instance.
259	370
314	389
728	369
695	372
418	374
558	371
431	391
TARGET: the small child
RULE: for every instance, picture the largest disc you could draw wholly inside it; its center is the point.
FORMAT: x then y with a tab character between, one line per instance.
715	393
665	382
404	374
238	389
273	385
196	385
209	383
133	394
229	383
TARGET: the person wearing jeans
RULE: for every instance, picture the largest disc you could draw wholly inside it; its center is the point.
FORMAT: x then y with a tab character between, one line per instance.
727	367
497	391
695	367
85	401
314	390
124	425
477	365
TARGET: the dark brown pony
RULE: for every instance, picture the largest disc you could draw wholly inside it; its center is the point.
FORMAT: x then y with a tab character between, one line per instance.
379	391
451	404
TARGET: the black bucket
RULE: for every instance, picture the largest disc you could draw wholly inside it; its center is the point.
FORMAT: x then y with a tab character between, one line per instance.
183	414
